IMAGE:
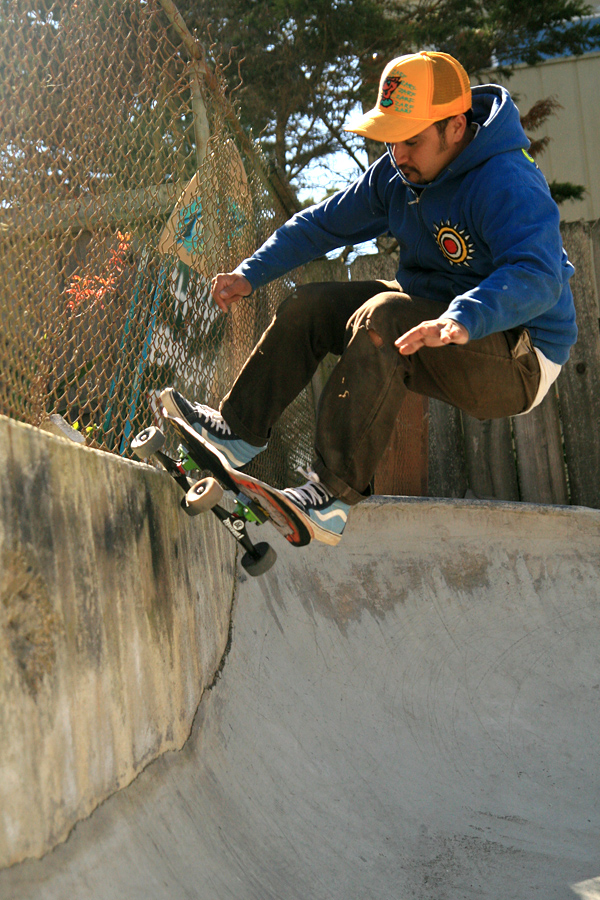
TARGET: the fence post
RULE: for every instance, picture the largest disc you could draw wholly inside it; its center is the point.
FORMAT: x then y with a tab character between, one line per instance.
579	381
403	468
201	126
447	464
539	451
490	458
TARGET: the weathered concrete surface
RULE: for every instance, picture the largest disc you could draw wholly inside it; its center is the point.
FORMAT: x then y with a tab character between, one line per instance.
114	616
413	714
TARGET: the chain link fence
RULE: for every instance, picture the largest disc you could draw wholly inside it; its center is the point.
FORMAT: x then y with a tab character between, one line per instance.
107	111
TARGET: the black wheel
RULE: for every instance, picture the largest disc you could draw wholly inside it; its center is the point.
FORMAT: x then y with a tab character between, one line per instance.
262	563
147	442
203	496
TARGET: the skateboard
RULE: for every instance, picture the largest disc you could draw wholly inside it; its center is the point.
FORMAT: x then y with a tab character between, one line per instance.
256	501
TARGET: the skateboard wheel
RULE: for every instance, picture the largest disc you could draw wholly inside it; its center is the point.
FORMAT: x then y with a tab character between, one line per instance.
260	563
147	442
203	496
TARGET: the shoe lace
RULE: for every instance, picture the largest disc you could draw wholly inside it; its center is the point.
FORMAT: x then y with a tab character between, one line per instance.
216	419
312	493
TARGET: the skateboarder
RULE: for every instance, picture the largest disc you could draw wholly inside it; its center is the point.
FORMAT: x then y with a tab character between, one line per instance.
480	315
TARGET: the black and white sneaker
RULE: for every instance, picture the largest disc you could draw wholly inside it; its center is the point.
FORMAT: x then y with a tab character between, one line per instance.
210	424
327	514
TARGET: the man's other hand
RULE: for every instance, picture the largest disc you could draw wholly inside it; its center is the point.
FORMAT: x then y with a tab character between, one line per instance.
435	333
228	288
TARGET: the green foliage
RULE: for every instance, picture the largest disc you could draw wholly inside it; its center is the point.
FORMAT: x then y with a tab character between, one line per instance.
564	190
307	65
507	31
539	113
300	69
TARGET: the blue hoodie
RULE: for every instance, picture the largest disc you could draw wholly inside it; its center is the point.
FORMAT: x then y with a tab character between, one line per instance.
482	238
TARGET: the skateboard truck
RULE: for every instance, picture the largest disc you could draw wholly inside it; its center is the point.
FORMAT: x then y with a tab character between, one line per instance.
250	510
205	495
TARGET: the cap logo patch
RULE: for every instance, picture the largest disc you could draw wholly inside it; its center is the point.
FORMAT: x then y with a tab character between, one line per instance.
387	89
397	92
454	243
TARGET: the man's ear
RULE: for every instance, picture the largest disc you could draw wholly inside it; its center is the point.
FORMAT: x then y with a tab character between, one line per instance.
457	127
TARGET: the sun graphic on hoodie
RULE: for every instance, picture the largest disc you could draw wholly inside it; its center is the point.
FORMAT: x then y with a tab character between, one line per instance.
454	242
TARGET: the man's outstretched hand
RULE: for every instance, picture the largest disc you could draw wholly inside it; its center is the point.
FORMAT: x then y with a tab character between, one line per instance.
228	288
435	333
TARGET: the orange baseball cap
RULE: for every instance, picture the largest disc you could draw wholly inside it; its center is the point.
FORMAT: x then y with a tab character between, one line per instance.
414	92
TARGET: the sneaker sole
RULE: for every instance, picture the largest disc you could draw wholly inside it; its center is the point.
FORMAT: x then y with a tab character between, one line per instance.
169	403
318	532
166	399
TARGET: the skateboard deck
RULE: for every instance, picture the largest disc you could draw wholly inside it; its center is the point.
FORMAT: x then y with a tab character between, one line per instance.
283	515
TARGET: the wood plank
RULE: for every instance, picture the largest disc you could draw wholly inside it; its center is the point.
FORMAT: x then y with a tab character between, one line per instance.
447	464
403	467
490	458
579	381
540	457
595	236
374	265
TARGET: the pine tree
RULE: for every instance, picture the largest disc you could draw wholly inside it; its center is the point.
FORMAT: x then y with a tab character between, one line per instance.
539	113
307	65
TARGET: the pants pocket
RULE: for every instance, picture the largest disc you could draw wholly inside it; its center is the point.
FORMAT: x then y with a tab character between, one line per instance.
519	342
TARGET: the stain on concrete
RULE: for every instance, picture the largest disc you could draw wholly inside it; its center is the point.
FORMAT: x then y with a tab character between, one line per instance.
137	523
468	573
444	865
162	555
27	618
28	491
366	591
110	628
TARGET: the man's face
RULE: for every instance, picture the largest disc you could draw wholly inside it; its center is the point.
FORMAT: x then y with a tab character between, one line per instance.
422	158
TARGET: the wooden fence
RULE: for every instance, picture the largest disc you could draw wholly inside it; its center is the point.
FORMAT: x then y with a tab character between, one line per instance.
551	455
